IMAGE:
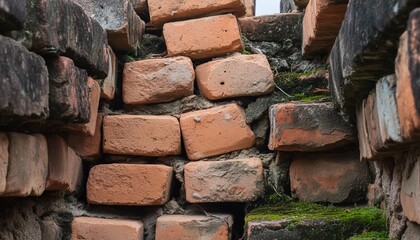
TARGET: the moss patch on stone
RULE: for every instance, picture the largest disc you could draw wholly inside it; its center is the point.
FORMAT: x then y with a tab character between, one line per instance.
371	236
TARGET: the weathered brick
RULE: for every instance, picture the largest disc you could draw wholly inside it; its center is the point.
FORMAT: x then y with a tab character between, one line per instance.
412	231
219	35
118	18
321	24
249	8
4	160
180	227
61	26
106	229
307	127
28	165
24	80
410	188
171	11
64	166
69	92
12	14
236	180
141	135
158	80
329	177
94	97
235	76
129	184
109	84
215	131
364	144
87	147
301	3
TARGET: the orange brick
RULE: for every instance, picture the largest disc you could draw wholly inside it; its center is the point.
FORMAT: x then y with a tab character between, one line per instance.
87	147
4	160
106	229
180	227
141	135
64	166
129	184
109	83
28	165
158	80
410	188
203	38
236	76
215	131
237	180
162	12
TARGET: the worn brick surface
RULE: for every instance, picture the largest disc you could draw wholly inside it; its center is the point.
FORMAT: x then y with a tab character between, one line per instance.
24	77
158	80
129	184
249	8
410	188
162	12
236	76
301	3
141	135
219	35
329	177
12	14
89	127
109	84
87	147
237	180
4	160
61	26
215	131
106	229
321	24
180	227
412	231
69	92
28	165
307	127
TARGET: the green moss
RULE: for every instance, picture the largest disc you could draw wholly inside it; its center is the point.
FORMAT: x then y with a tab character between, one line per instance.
301	97
371	236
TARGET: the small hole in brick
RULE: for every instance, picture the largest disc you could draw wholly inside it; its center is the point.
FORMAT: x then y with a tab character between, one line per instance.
224	71
222	83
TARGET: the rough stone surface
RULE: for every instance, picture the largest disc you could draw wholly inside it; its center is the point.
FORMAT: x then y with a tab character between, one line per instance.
287	6
124	28
238	180
141	135
4	160
87	147
410	188
109	84
329	177
28	165
62	27
219	36
235	76
171	11
321	24
24	81
69	92
158	80
215	131
12	14
301	3
412	232
106	229
307	127
129	184
180	227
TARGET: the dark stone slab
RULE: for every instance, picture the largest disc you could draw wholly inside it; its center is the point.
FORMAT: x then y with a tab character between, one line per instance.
61	27
12	14
69	92
287	6
24	83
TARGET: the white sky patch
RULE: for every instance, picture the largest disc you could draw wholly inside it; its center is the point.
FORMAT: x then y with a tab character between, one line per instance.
267	7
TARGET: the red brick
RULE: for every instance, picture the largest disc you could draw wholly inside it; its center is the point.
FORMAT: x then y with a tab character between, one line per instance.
180	227
329	177
162	12
106	229
4	160
88	147
28	165
235	76
203	38
94	97
321	24
250	8
215	131
64	166
109	83
141	135
236	180
410	189
307	127
129	184
158	80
